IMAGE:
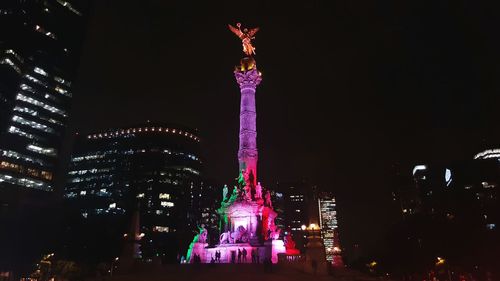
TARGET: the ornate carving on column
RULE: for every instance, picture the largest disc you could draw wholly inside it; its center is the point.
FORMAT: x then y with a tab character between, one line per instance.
248	78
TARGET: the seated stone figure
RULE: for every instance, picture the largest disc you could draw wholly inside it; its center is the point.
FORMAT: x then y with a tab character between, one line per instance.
239	236
225	238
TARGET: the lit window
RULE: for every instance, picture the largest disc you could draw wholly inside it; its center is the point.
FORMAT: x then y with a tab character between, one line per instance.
62	81
47	151
164	196
40	71
62	91
167	204
69	7
112	205
83	192
161	229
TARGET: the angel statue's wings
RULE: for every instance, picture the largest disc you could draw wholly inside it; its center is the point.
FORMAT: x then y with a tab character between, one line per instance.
236	31
252	32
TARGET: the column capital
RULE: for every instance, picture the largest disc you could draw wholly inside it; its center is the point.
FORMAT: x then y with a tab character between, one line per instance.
246	73
248	78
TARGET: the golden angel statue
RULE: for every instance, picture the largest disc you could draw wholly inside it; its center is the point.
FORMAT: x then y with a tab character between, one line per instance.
246	36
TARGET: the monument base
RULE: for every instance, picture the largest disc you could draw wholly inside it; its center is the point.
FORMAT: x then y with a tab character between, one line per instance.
229	252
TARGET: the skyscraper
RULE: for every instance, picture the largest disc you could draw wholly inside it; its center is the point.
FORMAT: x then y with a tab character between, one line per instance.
40	44
328	224
155	168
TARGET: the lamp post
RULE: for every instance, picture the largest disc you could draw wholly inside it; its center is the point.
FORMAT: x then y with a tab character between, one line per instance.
315	250
113	265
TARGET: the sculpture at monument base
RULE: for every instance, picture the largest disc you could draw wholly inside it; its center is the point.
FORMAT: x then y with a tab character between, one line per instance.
290	245
198	244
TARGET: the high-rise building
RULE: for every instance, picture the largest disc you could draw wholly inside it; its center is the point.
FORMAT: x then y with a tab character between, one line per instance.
40	44
298	205
328	225
155	168
459	201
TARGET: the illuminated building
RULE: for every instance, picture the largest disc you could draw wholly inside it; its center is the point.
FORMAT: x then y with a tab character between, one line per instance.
328	225
300	205
39	50
156	167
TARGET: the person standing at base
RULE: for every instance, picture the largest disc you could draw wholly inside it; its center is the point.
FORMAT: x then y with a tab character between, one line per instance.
253	255
239	255
244	254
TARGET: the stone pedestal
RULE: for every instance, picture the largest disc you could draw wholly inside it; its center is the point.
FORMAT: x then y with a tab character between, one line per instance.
198	248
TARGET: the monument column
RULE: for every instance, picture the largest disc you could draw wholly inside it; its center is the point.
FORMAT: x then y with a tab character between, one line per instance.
248	78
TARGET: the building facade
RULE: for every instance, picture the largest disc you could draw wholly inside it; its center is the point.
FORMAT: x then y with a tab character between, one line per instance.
153	168
39	50
329	227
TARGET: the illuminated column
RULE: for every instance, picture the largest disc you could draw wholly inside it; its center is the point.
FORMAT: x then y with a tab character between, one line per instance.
248	77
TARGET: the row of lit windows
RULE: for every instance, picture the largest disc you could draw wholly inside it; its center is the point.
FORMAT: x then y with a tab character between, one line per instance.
69	7
35	80
38	103
62	81
26	182
33	124
140	130
58	89
16	55
45	32
102	154
91	178
33	112
49	151
19	132
23	170
9	62
88	157
16	155
56	78
90	171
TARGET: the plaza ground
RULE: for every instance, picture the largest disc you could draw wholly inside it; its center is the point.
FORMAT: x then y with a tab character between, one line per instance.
226	272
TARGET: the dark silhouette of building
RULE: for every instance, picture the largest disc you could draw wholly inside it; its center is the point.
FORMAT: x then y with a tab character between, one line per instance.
155	168
443	205
40	44
300	205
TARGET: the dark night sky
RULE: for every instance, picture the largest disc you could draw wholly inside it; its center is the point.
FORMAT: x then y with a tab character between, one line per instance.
353	91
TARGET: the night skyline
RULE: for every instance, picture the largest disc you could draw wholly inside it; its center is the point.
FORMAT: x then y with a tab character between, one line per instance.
358	95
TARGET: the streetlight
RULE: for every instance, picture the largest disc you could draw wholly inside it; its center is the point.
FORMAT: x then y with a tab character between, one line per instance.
113	265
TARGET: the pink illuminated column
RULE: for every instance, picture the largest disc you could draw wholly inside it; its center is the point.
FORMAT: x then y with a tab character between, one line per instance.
248	77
